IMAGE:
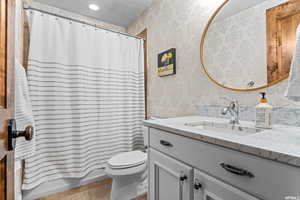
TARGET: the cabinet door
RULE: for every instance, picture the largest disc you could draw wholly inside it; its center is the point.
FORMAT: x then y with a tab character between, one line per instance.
209	188
169	179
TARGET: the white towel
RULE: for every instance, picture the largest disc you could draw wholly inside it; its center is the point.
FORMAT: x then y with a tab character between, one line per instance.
24	117
293	90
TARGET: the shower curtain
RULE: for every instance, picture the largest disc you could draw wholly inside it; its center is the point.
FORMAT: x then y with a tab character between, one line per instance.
87	90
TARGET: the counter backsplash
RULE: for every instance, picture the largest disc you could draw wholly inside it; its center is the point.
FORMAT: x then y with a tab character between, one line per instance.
285	116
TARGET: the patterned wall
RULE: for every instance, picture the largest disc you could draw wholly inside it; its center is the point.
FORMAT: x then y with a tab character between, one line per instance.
236	47
179	24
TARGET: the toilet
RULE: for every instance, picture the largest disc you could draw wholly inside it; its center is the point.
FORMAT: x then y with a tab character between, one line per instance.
129	173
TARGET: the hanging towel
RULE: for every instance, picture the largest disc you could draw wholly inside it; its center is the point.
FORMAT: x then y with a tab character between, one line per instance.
293	90
24	149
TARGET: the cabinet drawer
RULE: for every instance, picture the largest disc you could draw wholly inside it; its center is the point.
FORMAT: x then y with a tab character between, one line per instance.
271	181
214	189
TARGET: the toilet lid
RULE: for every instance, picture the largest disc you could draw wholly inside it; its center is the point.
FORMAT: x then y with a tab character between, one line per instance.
127	159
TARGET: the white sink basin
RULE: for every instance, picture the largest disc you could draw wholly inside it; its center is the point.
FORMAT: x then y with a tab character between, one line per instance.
224	128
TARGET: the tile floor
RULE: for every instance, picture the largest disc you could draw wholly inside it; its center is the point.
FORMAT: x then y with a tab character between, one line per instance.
94	191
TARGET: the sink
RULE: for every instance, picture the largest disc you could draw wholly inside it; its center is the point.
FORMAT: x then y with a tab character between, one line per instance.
224	128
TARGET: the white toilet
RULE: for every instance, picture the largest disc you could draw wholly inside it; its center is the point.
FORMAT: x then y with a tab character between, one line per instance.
129	173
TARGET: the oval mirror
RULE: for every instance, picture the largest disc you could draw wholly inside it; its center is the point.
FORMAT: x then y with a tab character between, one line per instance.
248	44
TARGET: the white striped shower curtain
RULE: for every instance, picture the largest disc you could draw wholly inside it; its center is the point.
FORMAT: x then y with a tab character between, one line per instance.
87	91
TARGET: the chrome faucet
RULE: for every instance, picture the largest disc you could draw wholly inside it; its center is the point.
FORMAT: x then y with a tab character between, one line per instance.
234	110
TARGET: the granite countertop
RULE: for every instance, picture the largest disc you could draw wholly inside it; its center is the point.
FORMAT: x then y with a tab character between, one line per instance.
282	143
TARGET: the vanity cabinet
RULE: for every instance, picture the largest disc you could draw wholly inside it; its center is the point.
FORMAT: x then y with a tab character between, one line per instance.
169	179
214	172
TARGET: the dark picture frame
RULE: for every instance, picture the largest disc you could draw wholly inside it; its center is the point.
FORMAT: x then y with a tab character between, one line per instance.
167	63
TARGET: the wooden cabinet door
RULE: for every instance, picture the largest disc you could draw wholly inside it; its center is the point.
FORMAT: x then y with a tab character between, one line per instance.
169	179
6	96
209	188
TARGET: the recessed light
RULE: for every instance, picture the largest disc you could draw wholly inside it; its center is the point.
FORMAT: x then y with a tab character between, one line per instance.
94	7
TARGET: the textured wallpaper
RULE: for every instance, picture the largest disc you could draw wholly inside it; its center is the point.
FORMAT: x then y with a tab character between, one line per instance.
236	47
179	24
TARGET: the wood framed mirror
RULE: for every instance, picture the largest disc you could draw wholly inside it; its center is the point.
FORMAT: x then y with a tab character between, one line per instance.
248	45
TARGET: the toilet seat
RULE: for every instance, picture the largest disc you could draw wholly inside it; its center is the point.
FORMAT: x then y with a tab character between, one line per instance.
127	160
127	171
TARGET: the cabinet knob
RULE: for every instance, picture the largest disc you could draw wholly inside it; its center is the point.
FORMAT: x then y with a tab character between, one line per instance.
182	177
197	185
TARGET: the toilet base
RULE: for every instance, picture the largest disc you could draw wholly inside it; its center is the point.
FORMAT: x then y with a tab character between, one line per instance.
129	186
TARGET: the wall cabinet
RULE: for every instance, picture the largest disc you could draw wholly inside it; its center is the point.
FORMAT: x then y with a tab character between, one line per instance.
182	168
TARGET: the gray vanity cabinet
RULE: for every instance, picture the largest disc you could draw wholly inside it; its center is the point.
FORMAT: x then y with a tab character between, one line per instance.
169	178
183	168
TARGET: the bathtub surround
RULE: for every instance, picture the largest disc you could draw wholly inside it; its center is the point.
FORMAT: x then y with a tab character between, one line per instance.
179	24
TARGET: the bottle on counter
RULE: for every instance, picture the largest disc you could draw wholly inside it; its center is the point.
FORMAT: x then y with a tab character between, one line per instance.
263	118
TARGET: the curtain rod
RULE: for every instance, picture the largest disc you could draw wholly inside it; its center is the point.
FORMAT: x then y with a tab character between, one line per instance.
27	7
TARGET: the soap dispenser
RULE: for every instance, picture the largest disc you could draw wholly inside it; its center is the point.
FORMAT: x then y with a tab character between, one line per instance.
263	118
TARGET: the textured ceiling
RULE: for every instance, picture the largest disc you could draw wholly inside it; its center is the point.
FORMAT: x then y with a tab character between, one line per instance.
117	12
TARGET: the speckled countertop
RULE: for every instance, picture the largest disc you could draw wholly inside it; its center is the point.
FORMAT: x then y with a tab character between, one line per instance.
282	143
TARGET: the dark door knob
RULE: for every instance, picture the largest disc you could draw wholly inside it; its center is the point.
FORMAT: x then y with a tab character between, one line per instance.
27	133
13	133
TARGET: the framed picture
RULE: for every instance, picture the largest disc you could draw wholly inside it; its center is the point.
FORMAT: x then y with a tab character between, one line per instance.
167	62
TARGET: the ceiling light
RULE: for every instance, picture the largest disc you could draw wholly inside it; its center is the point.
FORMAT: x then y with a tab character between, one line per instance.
94	7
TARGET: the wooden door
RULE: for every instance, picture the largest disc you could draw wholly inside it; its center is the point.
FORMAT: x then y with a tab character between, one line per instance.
169	179
6	96
209	188
287	41
282	22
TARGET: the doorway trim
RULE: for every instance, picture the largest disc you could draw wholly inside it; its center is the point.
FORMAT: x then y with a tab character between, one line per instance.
144	35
